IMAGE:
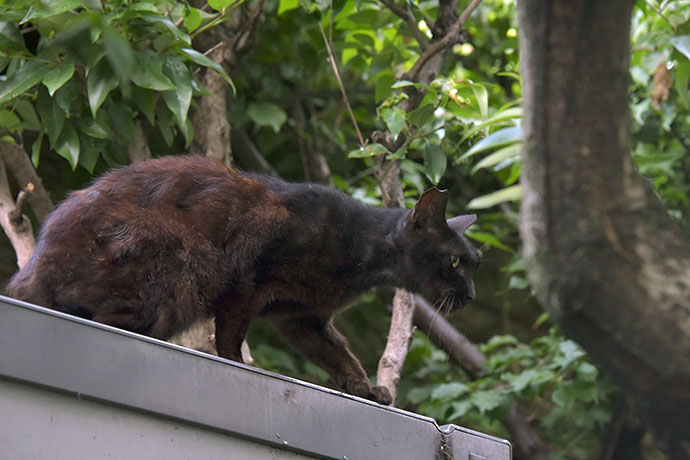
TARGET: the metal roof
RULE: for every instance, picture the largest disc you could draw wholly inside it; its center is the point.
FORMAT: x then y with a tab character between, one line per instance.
87	365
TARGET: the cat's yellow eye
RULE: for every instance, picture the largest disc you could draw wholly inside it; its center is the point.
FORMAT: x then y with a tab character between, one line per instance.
454	261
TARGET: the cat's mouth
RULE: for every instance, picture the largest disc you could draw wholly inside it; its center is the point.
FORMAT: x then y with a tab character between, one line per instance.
449	303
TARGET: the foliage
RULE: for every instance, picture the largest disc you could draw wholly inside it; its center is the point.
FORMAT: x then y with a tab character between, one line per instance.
77	74
76	77
551	376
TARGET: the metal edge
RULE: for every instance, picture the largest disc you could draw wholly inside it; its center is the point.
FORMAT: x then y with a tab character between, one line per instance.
200	354
399	426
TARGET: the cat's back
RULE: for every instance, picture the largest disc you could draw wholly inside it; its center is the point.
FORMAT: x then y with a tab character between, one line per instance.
181	212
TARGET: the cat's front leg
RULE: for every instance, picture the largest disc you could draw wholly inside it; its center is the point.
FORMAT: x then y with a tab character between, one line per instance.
231	328
319	341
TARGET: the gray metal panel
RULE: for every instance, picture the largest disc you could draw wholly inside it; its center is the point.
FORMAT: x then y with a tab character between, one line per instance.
38	424
93	361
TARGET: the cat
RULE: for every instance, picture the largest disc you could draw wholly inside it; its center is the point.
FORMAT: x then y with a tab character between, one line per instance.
156	246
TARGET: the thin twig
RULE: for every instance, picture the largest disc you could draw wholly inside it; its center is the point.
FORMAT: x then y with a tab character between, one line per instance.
331	59
16	215
660	13
213	48
446	41
406	15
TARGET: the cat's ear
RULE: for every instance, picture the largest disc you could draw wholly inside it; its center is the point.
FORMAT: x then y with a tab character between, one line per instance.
431	207
462	223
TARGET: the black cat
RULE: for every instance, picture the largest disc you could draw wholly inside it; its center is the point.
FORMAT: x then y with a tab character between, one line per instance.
159	245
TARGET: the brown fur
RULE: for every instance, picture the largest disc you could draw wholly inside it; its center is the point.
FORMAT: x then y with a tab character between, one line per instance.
157	246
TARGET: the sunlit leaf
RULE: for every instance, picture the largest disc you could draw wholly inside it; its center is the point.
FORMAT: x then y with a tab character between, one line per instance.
370	150
192	19
394	119
435	163
500	138
287	5
499	156
512	193
682	44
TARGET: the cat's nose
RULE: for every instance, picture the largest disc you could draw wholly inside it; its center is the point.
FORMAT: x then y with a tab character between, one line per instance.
471	294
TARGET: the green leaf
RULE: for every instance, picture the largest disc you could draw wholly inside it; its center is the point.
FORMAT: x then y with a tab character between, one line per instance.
482	98
517	282
178	101
435	163
488	238
382	86
525	378
219	5
394	119
149	72
122	120
90	152
9	120
267	114
65	96
370	150
448	391
497	119
587	372
511	152
202	60
52	116
192	19
512	193
498	341
287	5
25	77
55	78
682	44
145	102
421	115
25	109
118	53
10	37
36	150
460	409
67	144
98	127
168	24
681	82
500	138
99	84
487	400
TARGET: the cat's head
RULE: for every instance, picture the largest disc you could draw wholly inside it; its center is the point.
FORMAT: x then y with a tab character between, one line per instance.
440	260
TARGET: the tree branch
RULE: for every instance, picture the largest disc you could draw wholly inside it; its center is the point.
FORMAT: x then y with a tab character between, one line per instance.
17	230
388	176
405	13
139	149
20	167
449	39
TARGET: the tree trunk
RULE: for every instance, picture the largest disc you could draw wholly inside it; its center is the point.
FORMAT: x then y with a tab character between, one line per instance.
606	260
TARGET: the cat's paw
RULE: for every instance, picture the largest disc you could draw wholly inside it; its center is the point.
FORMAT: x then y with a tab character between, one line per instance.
381	395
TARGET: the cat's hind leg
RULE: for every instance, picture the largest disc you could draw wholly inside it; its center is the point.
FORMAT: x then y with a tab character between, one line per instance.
317	339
